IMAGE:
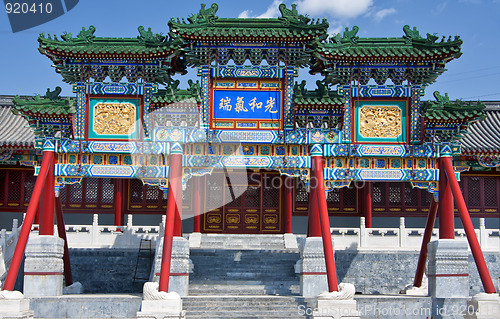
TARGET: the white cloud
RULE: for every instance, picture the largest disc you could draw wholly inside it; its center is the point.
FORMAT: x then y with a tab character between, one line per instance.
340	9
272	11
381	14
440	7
245	14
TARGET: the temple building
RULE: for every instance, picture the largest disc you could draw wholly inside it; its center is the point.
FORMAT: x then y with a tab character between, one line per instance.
247	148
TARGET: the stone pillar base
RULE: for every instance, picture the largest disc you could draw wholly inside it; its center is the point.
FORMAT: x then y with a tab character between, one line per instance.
13	305
338	304
160	305
179	268
313	280
448	273
43	267
448	269
195	240
336	309
290	241
483	306
161	309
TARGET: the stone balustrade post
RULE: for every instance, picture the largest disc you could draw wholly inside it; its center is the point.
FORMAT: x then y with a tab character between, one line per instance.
3	238
94	230
402	233
483	234
362	232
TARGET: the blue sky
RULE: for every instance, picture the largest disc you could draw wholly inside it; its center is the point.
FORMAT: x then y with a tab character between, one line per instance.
475	75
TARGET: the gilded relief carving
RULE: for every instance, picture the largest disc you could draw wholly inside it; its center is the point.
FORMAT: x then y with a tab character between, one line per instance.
380	121
114	118
252	219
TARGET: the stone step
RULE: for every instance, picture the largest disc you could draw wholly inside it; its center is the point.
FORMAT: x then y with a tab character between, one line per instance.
242	307
242	241
284	289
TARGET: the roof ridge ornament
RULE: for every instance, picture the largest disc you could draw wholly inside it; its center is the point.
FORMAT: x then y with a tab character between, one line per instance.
292	15
149	37
53	95
351	34
85	35
411	34
205	15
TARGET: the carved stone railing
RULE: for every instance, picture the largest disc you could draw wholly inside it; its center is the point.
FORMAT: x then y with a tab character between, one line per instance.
8	241
403	238
105	236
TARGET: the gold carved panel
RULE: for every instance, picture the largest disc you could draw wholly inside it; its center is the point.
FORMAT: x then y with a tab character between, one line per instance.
232	219
114	118
380	121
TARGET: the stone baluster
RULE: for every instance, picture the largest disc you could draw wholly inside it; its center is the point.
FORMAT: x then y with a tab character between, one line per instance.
362	232
94	230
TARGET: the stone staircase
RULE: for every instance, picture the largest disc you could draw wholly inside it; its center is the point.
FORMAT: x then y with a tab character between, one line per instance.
241	241
242	276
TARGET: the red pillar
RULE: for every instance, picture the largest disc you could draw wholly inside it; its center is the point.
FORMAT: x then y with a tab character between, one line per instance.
331	272
37	216
178	220
174	199
10	280
197	203
446	212
313	221
484	274
422	259
61	230
288	186
367	204
118	202
47	201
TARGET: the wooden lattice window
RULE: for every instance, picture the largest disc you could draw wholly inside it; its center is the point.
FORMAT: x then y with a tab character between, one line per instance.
15	183
16	187
482	194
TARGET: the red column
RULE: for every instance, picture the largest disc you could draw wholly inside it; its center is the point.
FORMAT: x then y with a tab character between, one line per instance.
288	185
313	221
178	220
197	203
61	230
422	259
331	272
37	216
118	201
367	204
446	164
446	212
174	199
10	280
47	201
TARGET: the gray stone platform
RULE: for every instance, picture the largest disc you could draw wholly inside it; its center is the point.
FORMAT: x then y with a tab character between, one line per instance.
86	306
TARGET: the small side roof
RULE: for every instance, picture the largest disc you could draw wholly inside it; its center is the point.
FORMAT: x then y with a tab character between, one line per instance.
484	136
14	129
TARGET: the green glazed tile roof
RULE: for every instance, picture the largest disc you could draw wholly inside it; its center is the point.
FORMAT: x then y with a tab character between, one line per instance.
410	47
289	27
320	98
85	44
444	110
171	94
50	105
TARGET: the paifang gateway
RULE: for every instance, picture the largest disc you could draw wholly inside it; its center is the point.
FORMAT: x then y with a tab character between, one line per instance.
247	150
